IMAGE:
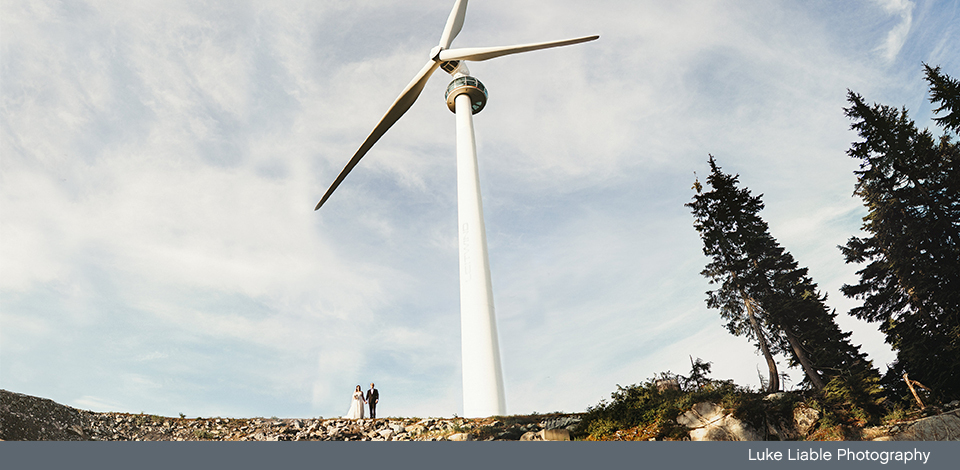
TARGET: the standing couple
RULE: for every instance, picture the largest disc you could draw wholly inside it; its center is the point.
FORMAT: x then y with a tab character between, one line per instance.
356	404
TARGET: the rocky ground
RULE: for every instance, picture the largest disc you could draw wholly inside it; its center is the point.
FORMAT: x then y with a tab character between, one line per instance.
24	417
28	418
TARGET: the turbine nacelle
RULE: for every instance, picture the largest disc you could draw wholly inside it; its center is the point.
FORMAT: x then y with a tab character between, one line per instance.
453	67
456	68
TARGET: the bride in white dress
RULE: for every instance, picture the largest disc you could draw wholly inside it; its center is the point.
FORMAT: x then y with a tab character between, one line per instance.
356	405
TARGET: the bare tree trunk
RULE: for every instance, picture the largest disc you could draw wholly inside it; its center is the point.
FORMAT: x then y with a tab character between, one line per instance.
808	368
774	383
914	391
804	361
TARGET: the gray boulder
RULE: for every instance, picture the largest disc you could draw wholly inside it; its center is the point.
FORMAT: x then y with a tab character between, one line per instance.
943	427
805	418
564	422
709	422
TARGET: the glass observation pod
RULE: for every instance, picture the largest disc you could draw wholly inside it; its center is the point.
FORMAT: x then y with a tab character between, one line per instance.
472	87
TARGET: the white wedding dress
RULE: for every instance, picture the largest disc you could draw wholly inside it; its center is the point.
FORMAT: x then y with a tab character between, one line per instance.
356	406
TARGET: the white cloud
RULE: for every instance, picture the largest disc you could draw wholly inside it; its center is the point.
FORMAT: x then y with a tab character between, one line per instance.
897	36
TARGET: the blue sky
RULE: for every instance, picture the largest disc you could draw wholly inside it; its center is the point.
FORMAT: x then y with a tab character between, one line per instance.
160	161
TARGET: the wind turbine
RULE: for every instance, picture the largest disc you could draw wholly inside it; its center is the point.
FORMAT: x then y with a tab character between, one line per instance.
482	376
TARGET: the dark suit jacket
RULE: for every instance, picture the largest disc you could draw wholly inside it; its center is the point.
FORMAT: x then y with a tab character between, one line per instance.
373	396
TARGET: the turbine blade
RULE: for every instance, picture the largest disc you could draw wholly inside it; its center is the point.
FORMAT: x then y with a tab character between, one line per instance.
484	53
400	106
454	23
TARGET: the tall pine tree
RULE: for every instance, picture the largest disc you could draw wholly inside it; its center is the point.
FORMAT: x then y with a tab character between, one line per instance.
727	221
764	295
910	183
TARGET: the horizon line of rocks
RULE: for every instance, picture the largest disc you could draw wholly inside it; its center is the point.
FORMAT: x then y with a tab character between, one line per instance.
128	427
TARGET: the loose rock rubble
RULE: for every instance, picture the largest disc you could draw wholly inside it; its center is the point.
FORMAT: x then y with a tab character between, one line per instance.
23	417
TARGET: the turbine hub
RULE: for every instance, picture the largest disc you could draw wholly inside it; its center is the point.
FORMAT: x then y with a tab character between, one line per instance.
472	87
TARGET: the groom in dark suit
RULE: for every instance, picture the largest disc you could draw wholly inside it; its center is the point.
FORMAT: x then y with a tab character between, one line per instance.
373	396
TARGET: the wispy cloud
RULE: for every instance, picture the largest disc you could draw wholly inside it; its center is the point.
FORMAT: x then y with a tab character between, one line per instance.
897	36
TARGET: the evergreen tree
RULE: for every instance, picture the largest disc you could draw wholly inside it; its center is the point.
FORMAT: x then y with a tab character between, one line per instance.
727	222
945	91
910	183
765	295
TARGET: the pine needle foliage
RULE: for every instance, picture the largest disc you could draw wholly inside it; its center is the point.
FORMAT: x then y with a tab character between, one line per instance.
909	182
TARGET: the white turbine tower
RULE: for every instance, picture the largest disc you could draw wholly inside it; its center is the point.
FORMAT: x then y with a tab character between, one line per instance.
482	377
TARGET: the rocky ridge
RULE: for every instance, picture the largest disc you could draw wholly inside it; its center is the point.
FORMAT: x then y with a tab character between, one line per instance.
28	418
24	417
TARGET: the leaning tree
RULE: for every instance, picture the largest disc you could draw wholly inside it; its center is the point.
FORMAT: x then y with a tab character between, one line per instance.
763	293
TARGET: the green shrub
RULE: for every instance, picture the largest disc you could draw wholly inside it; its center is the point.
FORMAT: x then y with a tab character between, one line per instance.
202	434
853	400
644	405
848	401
